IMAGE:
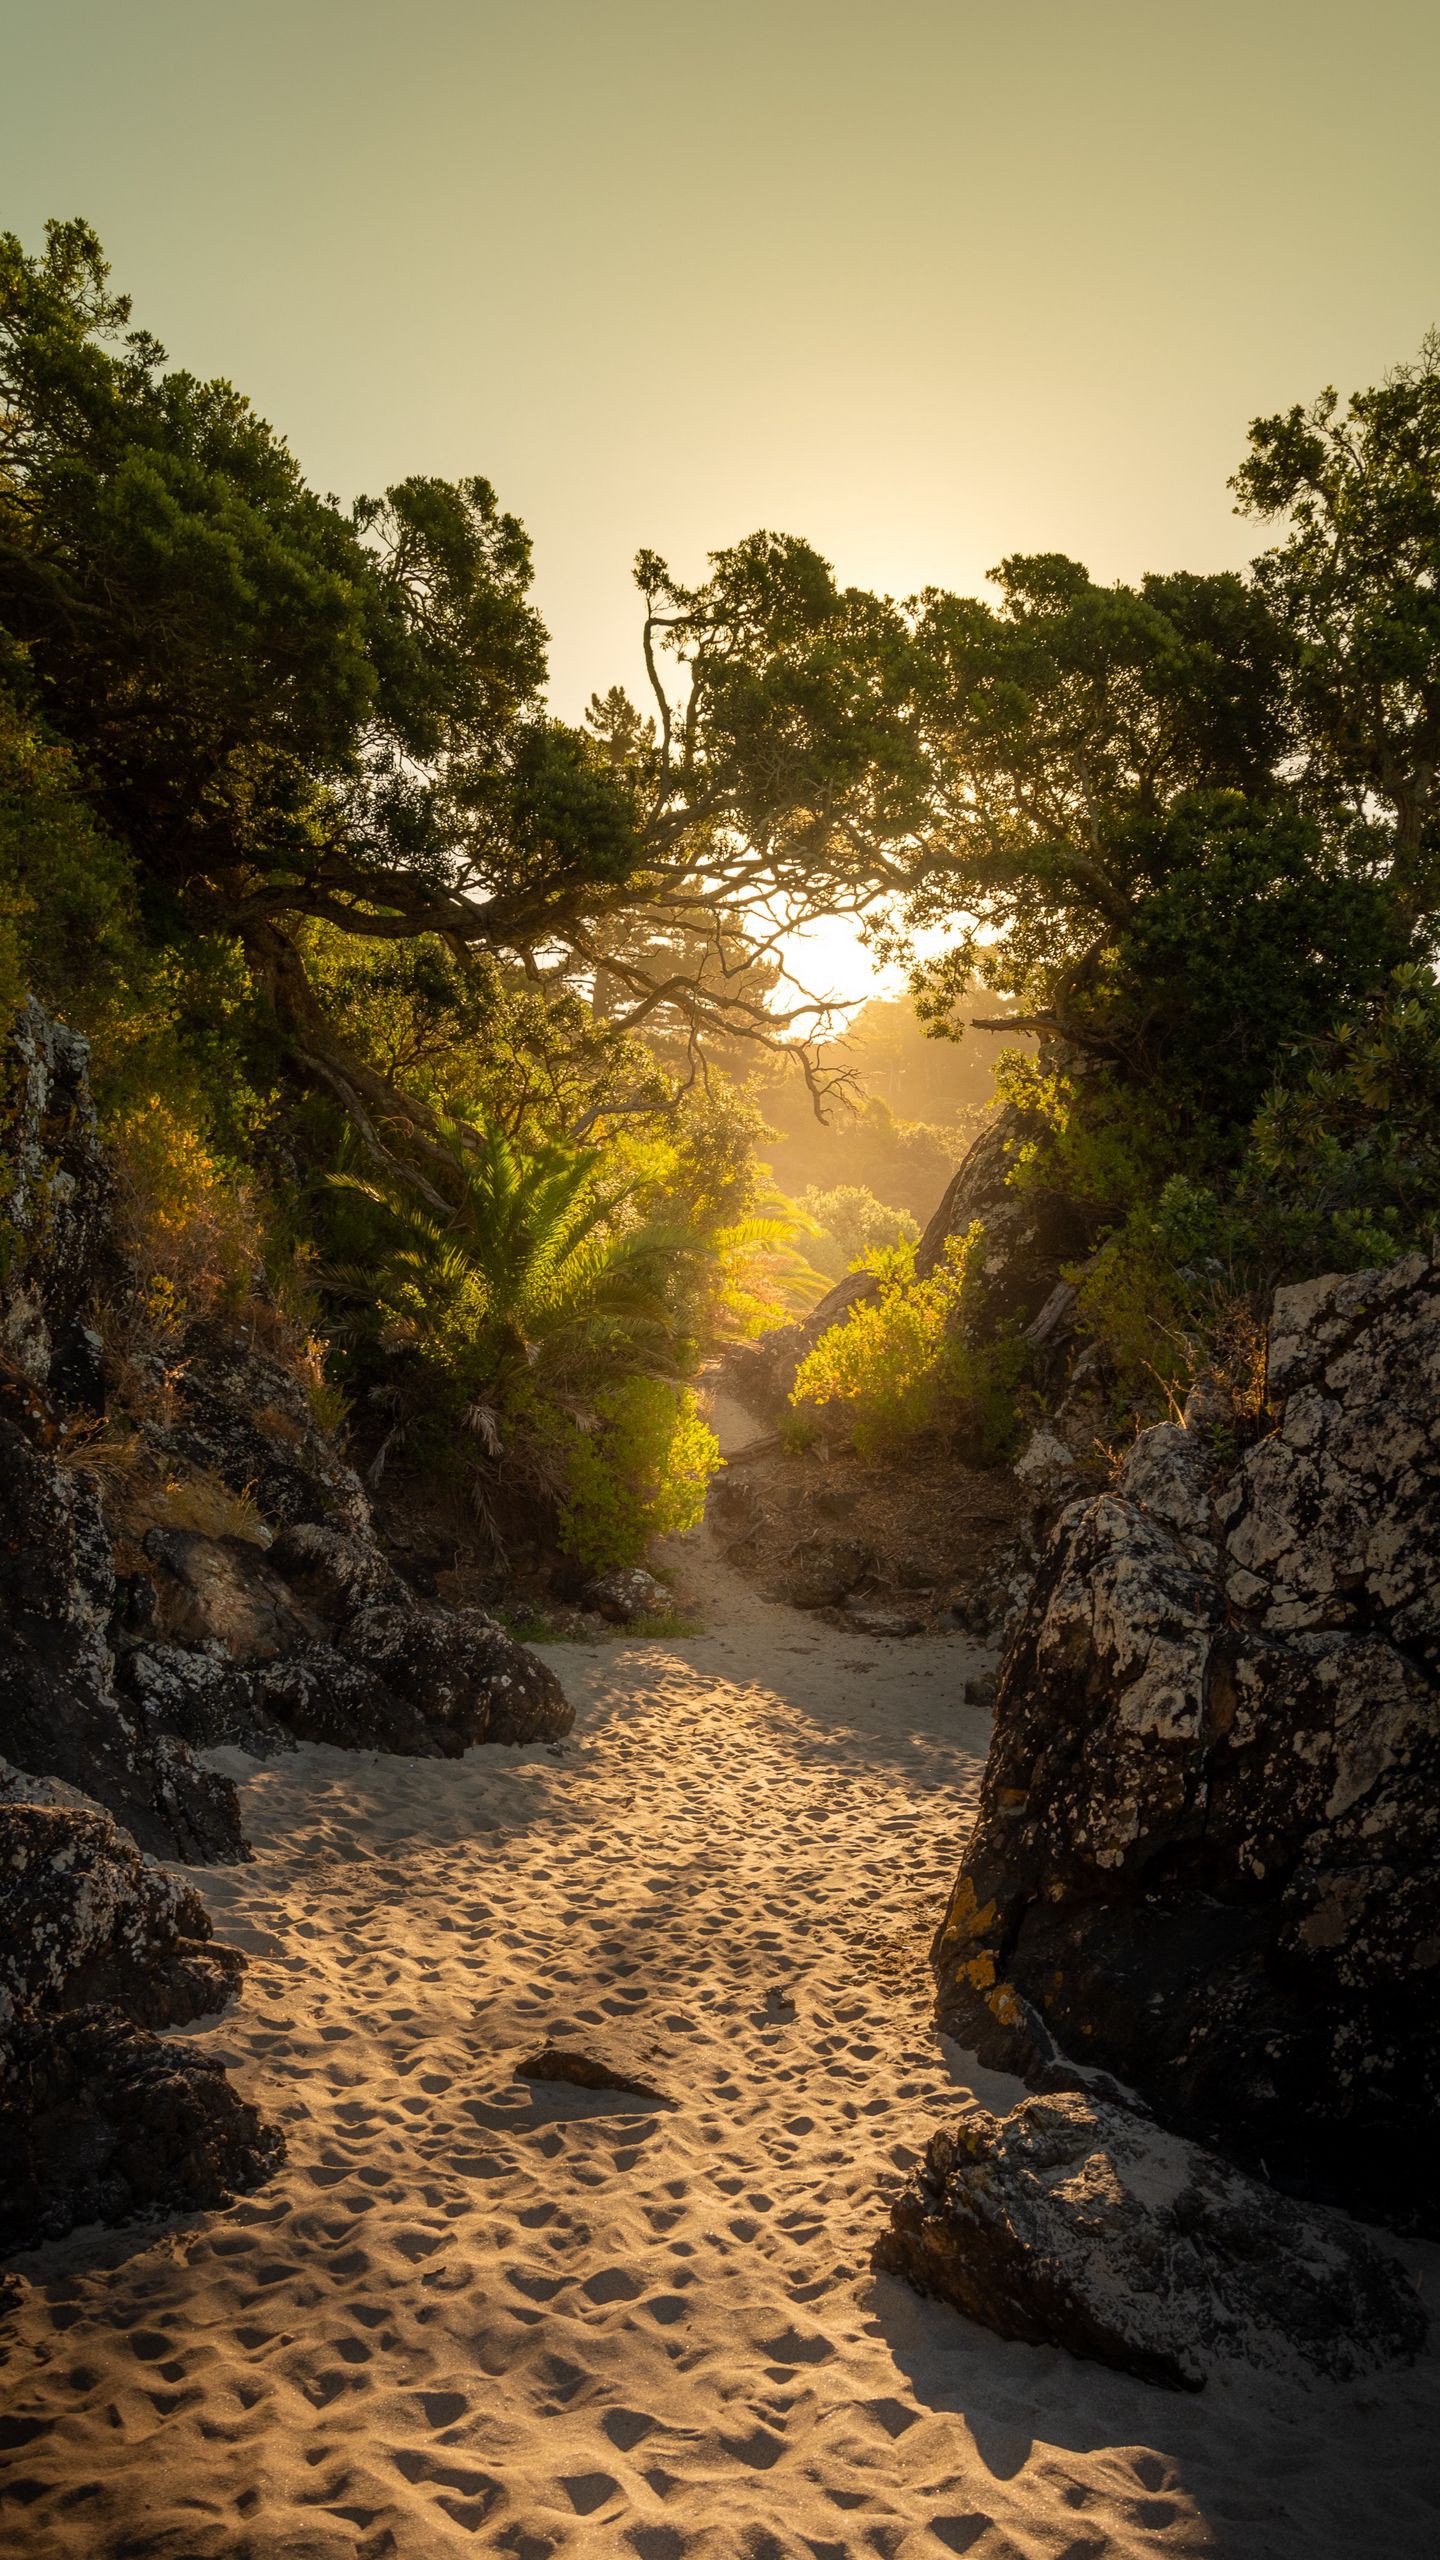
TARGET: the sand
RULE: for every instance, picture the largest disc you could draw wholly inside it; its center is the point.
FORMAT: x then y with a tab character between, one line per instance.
474	2314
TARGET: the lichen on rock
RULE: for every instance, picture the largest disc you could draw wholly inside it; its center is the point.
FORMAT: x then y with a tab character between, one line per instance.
1208	1853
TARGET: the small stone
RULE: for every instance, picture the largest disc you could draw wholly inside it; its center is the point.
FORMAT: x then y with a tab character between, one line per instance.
569	2063
627	1594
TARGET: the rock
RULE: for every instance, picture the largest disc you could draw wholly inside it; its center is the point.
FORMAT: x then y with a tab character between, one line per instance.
628	1593
1047	1469
1081	2224
320	1637
57	1201
221	1591
61	1710
588	2071
1028	1232
336	1574
85	1918
100	2121
469	1680
202	1698
99	2118
1208	1852
241	1415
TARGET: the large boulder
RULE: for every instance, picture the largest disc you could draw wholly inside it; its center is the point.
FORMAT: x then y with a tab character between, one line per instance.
99	2117
1078	2223
1029	1228
319	1637
1208	1852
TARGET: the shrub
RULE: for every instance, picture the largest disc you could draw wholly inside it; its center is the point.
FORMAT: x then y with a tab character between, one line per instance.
191	1219
66	902
1343	1168
906	1364
640	1472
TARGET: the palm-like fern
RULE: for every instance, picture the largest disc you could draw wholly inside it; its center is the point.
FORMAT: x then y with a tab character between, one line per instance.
536	1271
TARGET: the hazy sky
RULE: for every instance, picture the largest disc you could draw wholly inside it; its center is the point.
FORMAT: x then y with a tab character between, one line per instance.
924	280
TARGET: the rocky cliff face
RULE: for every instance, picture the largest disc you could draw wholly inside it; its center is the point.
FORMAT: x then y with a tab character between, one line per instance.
131	1646
131	1640
1208	1856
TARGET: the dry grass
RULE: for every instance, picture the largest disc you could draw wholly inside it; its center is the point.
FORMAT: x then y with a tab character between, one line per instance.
198	1500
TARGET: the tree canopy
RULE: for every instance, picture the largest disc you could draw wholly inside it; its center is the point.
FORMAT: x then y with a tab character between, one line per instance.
295	714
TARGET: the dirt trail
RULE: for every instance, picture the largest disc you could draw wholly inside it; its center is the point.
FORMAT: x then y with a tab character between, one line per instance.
475	2314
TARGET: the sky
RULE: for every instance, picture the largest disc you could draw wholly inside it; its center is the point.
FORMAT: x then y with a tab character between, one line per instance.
925	281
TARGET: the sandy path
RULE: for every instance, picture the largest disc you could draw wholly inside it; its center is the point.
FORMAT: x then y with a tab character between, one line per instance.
470	2316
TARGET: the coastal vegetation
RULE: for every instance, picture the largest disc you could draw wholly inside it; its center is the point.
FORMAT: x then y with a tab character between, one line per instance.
436	1035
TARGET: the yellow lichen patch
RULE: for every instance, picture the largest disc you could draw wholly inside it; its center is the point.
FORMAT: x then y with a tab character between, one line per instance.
1006	2007
966	1920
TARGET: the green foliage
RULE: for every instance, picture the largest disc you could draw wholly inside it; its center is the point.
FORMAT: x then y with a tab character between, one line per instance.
538	1326
68	927
1355	586
640	1471
1343	1168
1340	1171
904	1364
527	1275
388	969
285	708
1057	725
1248	934
853	1224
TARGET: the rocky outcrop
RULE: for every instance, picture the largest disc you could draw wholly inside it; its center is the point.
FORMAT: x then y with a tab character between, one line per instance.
99	2117
1080	2224
55	1199
1208	1854
319	1637
130	1644
244	1418
61	1710
1029	1230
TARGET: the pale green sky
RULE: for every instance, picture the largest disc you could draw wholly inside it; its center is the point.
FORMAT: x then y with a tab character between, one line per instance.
924	280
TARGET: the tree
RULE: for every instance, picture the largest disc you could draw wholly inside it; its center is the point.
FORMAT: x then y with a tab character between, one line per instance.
291	710
1060	729
1356	587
